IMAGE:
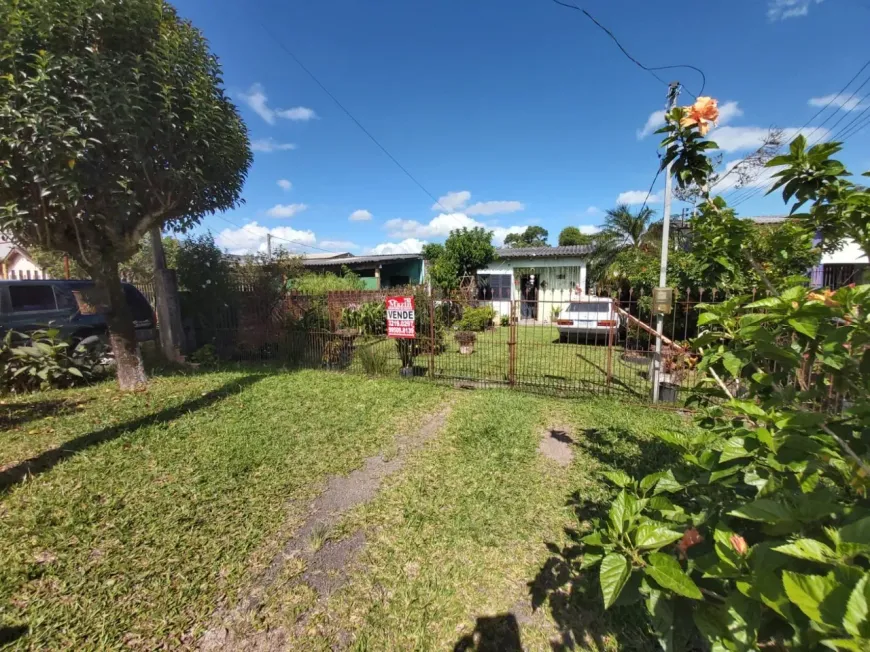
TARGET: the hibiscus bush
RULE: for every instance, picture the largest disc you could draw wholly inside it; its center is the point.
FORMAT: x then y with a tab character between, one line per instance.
760	537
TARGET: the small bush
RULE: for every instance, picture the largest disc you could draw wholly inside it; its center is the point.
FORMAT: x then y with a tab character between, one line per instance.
374	358
466	337
43	360
476	319
505	320
205	356
369	318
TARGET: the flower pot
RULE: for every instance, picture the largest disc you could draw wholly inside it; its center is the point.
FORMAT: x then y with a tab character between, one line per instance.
406	372
466	349
668	393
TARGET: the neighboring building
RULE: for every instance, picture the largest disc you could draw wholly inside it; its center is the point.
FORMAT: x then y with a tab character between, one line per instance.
16	264
377	272
541	278
846	265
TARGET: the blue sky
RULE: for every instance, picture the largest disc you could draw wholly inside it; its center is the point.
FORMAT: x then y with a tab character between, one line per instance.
512	112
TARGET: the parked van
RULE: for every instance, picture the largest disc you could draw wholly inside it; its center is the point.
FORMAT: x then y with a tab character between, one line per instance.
26	306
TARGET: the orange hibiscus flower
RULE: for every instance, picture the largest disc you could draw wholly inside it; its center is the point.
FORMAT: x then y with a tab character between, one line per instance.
703	112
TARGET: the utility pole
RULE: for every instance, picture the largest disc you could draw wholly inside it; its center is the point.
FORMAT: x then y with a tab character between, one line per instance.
673	93
269	245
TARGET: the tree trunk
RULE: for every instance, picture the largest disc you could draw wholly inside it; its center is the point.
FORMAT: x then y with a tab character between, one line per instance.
122	334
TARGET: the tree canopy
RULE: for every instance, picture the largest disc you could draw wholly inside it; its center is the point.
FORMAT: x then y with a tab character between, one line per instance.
464	252
533	236
114	121
572	236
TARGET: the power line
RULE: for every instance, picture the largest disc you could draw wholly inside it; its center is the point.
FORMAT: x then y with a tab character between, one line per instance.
835	97
650	69
350	115
857	129
840	135
844	111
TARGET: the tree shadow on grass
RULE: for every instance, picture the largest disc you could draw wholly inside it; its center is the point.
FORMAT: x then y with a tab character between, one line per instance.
47	460
11	633
620	448
16	414
500	633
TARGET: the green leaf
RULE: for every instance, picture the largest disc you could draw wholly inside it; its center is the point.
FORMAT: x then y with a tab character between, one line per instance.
734	449
851	645
858	609
619	478
764	510
809	549
667	484
857	532
661	611
651	535
808	592
614	573
808	327
706	318
590	560
649	481
732	363
75	371
666	570
618	512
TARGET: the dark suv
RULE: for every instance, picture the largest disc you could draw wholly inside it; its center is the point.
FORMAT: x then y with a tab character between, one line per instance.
26	306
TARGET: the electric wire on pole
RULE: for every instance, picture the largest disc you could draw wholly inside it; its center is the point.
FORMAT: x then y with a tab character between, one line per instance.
673	93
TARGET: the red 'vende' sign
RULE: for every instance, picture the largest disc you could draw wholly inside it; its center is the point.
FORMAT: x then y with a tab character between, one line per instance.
400	317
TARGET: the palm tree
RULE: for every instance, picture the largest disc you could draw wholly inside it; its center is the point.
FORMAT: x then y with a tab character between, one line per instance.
626	228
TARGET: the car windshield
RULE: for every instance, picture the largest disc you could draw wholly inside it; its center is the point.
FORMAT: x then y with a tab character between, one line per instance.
589	306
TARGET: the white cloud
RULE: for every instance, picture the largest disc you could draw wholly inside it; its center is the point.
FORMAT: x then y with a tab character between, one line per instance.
286	210
360	215
256	99
594	210
735	139
441	226
284	184
407	246
298	114
782	9
270	145
727	112
452	201
251	238
494	207
339	245
655	120
632	197
841	101
589	229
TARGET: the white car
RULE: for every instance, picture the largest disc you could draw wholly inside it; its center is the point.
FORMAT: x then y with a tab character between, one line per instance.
587	318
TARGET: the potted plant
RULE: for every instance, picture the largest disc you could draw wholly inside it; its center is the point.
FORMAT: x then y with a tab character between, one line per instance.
466	341
407	350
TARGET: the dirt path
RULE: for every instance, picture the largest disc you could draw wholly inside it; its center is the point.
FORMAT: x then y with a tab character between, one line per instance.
326	562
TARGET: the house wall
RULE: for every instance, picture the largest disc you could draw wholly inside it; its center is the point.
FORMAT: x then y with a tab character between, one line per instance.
413	269
18	266
558	279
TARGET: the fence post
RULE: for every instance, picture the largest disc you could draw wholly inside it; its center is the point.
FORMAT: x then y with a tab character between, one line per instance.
512	346
613	317
431	303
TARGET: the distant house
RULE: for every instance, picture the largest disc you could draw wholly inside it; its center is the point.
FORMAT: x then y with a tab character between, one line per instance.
836	269
542	278
16	264
377	272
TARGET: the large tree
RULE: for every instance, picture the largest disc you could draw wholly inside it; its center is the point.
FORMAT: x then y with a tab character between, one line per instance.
627	227
464	252
572	236
114	121
533	236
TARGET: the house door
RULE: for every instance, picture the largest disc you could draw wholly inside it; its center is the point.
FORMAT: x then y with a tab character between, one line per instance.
529	296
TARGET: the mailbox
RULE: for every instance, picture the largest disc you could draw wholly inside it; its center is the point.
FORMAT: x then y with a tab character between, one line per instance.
663	300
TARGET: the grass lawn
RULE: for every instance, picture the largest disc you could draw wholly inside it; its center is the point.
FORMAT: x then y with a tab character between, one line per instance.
159	505
542	361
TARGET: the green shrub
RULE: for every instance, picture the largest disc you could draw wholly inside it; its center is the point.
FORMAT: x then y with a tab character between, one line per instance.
43	360
205	356
476	319
505	320
369	318
374	357
314	283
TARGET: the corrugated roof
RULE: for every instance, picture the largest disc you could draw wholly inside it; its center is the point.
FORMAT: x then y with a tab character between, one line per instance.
768	219
358	260
544	252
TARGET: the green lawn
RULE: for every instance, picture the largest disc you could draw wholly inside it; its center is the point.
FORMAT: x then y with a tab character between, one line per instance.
145	512
573	367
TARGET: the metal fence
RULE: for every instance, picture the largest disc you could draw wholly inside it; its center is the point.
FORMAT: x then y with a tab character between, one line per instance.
602	345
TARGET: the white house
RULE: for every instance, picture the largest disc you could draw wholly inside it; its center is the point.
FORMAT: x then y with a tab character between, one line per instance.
16	264
540	278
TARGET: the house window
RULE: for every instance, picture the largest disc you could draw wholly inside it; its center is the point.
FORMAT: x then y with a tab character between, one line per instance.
27	298
494	287
12	274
